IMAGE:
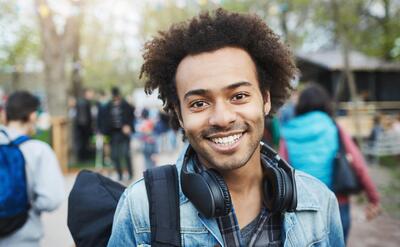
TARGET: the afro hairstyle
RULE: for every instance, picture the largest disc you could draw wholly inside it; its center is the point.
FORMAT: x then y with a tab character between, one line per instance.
211	31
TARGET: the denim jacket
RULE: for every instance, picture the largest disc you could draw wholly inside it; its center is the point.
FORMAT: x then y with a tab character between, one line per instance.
316	222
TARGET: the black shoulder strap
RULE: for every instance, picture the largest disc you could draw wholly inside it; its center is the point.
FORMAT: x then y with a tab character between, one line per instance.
163	195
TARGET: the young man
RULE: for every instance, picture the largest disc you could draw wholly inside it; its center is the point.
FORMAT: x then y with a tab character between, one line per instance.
83	125
219	75
44	181
117	119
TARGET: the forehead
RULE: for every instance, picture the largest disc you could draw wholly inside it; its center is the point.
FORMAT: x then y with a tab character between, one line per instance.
215	70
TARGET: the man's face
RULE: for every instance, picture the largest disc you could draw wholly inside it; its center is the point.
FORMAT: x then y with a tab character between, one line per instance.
222	108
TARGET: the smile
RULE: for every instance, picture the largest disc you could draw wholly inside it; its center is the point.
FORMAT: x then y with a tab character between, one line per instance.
227	140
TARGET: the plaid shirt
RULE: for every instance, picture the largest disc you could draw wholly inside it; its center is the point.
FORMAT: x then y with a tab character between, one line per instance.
267	232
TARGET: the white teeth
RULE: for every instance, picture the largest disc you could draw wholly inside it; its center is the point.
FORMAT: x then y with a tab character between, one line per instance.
228	140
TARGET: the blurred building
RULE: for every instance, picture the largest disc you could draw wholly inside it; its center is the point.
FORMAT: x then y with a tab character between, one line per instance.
376	80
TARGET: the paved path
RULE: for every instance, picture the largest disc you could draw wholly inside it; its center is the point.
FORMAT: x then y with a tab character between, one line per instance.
383	231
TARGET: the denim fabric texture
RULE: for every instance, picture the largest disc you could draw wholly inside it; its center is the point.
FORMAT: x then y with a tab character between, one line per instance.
316	222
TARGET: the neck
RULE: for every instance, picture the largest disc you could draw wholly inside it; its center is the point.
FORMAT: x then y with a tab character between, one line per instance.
23	128
245	188
249	177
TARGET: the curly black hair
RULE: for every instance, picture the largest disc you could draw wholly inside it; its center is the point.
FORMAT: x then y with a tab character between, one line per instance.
211	31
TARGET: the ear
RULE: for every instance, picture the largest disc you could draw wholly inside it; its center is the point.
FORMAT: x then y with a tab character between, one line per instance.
33	117
267	102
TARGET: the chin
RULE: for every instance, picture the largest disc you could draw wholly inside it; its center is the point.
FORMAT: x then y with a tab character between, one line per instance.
228	166
226	162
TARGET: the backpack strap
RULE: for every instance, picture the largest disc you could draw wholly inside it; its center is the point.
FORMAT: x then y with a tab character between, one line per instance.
20	140
163	196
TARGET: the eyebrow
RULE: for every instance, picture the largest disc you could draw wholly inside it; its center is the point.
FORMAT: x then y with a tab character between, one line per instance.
206	91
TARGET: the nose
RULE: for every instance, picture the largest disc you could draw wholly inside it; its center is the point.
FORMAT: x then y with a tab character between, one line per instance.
223	115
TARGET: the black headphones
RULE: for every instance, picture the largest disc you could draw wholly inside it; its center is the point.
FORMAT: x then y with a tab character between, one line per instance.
208	192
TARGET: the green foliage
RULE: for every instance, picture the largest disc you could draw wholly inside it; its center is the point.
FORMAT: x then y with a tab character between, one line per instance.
90	164
108	58
395	52
160	16
110	51
18	41
43	135
357	22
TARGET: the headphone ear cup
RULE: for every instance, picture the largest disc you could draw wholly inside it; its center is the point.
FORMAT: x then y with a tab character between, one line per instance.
288	197
220	191
273	188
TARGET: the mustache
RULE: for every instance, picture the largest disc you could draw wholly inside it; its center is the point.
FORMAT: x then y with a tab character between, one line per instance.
217	129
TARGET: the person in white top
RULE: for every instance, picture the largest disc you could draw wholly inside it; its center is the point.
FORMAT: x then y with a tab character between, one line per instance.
45	183
396	124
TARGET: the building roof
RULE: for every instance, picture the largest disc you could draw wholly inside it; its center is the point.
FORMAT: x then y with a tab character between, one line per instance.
333	60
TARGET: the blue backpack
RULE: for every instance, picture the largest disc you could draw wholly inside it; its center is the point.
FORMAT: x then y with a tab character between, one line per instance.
14	203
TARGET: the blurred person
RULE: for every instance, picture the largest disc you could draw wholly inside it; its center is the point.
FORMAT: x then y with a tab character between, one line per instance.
83	125
41	174
310	143
396	124
287	111
148	139
117	119
218	75
160	131
271	131
165	134
172	136
100	129
377	129
101	105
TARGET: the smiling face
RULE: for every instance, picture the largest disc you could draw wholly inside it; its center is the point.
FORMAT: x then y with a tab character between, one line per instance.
222	108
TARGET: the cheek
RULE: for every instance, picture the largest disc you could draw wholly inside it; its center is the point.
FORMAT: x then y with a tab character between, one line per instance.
253	112
193	122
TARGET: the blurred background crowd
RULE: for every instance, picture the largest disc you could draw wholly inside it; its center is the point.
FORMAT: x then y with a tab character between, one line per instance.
82	59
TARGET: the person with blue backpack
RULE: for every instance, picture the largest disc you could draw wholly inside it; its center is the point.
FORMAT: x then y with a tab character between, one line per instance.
30	178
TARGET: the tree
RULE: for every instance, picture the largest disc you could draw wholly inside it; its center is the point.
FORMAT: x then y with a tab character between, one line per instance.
22	46
56	46
386	26
370	26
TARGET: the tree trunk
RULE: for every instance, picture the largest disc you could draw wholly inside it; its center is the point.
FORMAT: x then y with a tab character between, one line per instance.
15	80
76	76
55	49
353	89
56	84
340	36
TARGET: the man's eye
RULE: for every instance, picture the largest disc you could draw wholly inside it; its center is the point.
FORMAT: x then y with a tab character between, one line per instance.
198	104
239	96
